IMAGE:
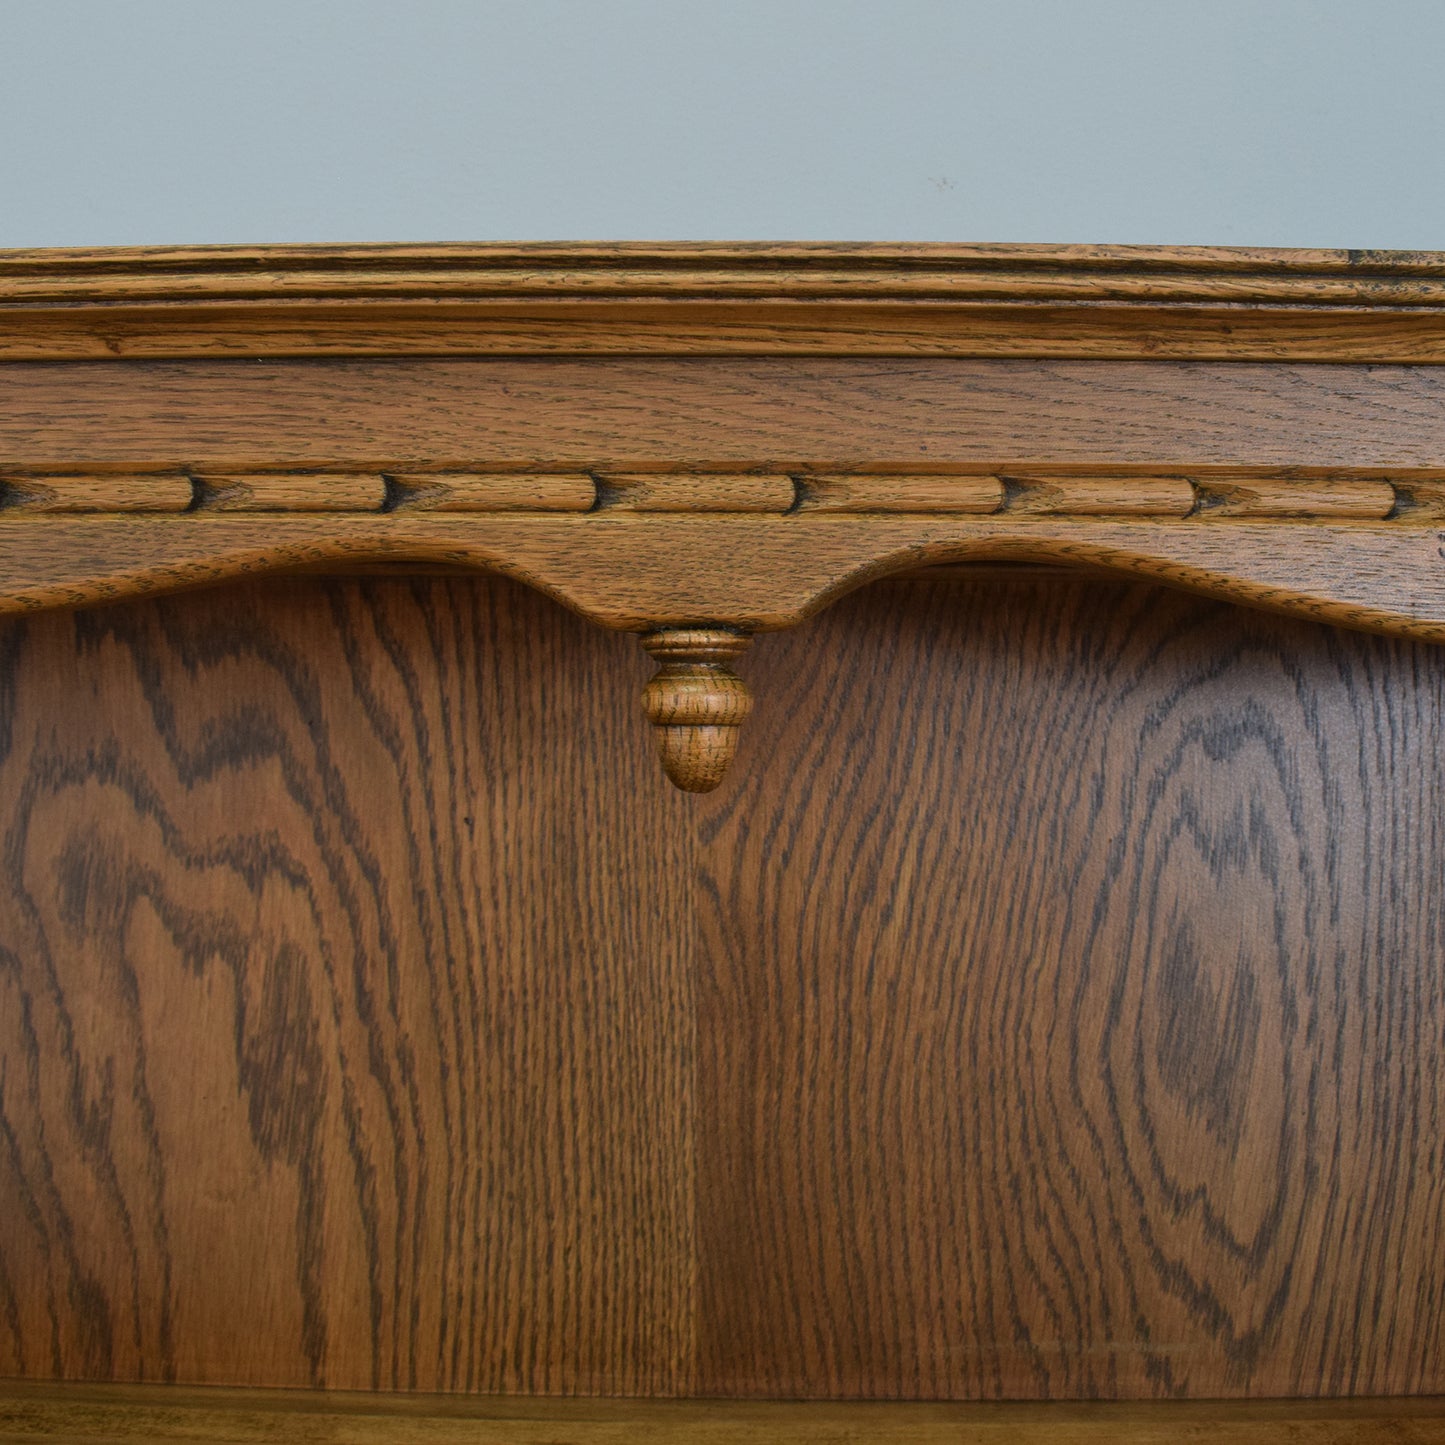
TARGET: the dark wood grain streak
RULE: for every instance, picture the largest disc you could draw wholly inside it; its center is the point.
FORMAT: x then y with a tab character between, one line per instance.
1072	1004
1051	1006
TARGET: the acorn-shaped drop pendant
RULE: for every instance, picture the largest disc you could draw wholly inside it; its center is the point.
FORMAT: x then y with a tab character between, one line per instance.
696	702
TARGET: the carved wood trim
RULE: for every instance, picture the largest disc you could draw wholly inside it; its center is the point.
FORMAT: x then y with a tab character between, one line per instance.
822	300
179	489
631	429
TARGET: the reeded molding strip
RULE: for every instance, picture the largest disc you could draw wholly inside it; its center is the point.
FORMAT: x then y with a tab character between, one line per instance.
1218	496
874	300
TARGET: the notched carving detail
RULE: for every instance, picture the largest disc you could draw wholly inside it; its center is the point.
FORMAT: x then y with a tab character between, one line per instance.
696	702
119	493
1419	501
491	491
700	492
894	492
338	490
286	492
1363	498
1136	496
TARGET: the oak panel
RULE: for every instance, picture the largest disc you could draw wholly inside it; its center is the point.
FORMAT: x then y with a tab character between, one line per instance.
1071	1005
1050	1007
345	1012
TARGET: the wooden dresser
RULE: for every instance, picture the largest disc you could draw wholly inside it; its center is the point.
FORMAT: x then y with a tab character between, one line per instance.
1023	1021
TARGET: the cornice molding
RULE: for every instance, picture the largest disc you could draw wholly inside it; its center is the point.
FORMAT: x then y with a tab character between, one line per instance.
696	299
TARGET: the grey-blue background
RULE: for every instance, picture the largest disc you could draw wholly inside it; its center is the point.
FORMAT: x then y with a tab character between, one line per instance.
1251	122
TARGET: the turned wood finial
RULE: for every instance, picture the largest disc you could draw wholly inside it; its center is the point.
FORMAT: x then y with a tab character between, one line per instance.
696	702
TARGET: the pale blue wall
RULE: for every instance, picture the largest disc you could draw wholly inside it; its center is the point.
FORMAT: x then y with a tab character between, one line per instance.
1268	122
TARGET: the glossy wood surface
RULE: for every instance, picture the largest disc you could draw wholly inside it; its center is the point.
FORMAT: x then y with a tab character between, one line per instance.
90	1415
1051	1006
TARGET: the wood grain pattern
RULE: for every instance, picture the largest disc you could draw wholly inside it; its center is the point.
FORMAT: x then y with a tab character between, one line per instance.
1324	495
640	572
1079	272
696	703
1063	1016
863	300
1051	1007
1422	498
318	1061
705	414
1055	1012
1362	334
90	1415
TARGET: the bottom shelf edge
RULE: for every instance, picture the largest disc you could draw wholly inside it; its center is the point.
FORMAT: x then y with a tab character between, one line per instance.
89	1414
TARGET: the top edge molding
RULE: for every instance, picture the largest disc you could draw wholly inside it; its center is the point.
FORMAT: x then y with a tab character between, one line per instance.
747	255
789	268
1215	303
